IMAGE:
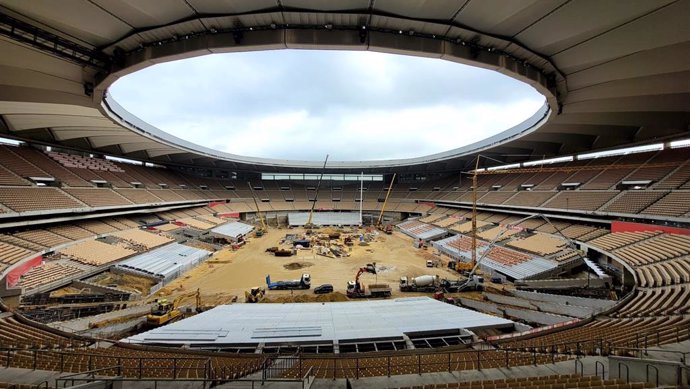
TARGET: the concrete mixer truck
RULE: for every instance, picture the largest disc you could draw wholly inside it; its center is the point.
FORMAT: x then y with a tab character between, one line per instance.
425	283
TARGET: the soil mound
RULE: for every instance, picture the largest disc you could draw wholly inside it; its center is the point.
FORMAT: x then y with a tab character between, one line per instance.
297	265
306	298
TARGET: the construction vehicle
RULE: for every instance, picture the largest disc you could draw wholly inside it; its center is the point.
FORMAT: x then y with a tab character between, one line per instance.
303	283
309	225
459	266
424	283
473	282
355	289
259	232
165	312
254	295
441	296
388	229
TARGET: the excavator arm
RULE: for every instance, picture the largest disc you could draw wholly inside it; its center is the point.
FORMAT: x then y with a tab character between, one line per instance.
369	268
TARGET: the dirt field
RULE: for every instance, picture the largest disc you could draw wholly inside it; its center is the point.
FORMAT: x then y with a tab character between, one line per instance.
124	281
231	273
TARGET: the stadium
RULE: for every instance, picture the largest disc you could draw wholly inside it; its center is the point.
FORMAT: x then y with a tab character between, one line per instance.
555	254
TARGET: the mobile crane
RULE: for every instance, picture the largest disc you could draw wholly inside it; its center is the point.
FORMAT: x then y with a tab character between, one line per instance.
357	290
260	231
388	229
309	225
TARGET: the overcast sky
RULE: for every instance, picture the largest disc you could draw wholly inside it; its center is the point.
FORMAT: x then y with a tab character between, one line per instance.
299	104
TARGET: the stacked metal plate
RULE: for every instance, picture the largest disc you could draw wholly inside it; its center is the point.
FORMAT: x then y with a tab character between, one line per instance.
232	230
167	262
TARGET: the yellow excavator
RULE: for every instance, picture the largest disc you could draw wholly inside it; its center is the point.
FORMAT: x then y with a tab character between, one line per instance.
254	295
165	312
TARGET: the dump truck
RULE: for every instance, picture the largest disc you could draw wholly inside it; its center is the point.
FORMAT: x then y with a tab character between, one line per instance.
303	283
355	289
424	283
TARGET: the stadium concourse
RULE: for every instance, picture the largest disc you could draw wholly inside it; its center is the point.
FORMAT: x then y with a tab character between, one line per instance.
581	224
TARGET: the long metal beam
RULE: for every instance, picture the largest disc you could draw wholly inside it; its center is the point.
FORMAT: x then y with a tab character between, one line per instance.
45	41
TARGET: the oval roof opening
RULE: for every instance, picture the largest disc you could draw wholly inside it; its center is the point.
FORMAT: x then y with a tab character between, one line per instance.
304	104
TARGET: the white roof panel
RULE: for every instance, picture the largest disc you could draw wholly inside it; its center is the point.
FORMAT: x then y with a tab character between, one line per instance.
251	324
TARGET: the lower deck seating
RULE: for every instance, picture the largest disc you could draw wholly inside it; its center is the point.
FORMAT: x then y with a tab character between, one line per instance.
507	257
42	237
93	252
616	240
147	239
540	244
47	273
97	227
15	334
615	332
10	254
657	302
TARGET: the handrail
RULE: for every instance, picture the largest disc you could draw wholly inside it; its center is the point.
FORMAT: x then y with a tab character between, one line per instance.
603	369
647	372
683	354
72	378
579	362
627	371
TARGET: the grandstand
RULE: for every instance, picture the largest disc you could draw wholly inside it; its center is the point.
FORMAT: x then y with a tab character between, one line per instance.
88	190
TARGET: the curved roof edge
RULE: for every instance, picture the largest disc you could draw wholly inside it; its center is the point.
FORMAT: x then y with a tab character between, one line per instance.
130	121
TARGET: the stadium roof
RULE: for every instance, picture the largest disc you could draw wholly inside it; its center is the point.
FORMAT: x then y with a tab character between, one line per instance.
614	73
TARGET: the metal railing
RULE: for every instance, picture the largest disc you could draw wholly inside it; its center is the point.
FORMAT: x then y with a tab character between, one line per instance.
91	376
343	366
272	367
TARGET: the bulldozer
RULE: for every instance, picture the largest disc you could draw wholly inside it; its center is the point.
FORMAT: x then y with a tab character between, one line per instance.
254	295
165	312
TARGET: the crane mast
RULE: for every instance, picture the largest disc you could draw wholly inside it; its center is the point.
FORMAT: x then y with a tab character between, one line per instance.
258	211
316	194
474	212
385	201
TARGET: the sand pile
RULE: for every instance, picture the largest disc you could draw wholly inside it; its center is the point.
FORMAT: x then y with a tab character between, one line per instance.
306	298
297	265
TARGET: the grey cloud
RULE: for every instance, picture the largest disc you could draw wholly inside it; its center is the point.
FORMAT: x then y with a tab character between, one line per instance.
224	99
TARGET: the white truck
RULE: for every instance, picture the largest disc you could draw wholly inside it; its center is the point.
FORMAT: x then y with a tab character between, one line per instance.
424	283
